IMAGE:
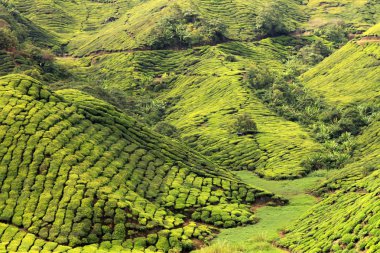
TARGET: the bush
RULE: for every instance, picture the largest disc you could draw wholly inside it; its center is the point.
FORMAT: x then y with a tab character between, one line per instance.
271	19
244	124
259	77
336	33
7	40
167	129
314	53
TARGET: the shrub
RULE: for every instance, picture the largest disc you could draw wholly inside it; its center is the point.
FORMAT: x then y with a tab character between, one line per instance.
7	39
336	33
244	124
259	77
271	19
167	129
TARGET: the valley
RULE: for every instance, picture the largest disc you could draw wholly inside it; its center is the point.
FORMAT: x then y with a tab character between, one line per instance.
205	126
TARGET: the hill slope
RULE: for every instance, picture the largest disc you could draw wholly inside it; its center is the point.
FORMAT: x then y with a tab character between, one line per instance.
91	26
351	74
75	171
347	218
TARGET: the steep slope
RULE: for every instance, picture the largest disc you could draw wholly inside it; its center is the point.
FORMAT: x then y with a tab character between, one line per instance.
75	171
351	74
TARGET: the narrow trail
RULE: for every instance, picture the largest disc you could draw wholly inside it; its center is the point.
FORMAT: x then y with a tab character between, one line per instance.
259	237
369	39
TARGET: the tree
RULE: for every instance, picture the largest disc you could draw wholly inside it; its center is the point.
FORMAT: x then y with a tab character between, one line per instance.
7	40
271	20
259	77
244	125
336	33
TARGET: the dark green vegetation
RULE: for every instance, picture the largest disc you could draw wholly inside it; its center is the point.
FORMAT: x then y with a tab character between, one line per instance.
121	123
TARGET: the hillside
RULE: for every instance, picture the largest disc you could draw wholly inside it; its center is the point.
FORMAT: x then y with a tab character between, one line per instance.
347	216
351	74
75	172
92	26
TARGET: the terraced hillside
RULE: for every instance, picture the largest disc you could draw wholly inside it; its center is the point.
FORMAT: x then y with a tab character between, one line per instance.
351	74
86	86
90	26
76	172
360	14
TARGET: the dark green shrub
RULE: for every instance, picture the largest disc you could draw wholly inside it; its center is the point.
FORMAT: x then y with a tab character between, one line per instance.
244	124
230	58
167	129
7	39
271	19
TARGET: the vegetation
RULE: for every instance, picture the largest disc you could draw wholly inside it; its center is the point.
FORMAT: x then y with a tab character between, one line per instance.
7	40
244	124
184	29
271	20
100	175
170	126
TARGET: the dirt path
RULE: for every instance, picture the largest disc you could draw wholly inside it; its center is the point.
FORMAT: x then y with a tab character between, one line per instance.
369	39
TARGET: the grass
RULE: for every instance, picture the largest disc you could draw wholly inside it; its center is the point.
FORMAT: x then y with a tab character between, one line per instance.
260	237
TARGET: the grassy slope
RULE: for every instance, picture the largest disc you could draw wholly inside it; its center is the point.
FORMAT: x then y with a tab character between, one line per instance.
202	78
76	171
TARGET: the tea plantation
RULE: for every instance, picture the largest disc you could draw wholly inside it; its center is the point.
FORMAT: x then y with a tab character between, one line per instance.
191	93
189	126
350	197
75	171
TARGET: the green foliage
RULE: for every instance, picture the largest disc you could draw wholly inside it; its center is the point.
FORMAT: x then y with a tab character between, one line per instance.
271	19
7	39
336	33
244	124
167	129
184	29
